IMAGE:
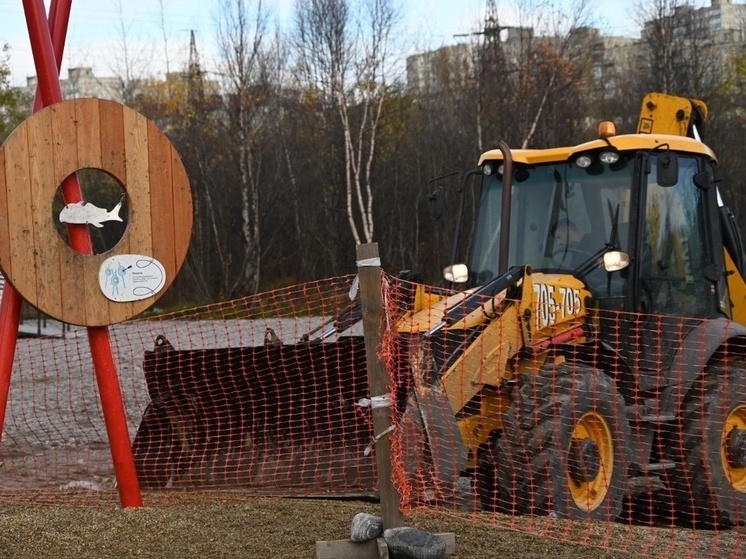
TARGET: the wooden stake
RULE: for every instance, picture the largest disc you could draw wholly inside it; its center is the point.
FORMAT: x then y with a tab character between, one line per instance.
369	272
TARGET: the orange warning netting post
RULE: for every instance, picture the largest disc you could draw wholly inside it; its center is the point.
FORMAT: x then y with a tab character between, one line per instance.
602	430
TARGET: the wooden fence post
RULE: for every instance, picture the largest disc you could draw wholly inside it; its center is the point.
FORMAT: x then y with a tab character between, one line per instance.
369	272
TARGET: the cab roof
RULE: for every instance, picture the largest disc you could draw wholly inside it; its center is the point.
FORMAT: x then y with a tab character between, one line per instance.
623	143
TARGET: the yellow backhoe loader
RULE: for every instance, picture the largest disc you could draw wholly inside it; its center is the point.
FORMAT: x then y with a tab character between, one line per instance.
596	349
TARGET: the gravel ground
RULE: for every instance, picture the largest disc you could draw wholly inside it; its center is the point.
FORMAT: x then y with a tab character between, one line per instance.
212	526
262	528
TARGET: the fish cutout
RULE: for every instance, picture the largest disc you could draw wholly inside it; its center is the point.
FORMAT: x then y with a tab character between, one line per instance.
84	212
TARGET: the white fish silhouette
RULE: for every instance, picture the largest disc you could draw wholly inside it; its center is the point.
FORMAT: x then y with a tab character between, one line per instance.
83	212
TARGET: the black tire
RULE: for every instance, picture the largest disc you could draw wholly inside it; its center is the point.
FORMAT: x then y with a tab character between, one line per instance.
708	488
565	446
498	489
489	492
486	481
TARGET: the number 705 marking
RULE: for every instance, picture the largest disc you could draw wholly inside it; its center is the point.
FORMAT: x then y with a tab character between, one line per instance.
555	303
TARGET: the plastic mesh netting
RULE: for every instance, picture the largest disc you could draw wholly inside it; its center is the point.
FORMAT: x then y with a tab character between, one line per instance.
623	431
258	394
593	434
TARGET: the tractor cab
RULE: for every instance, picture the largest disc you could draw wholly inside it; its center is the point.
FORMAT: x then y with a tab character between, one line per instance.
630	216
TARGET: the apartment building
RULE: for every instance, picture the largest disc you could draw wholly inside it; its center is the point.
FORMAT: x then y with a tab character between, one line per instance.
81	82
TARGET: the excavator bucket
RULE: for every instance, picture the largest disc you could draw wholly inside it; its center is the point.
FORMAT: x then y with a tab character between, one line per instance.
275	419
433	444
270	418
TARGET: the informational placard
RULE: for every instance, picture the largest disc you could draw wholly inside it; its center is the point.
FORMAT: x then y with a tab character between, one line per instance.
131	277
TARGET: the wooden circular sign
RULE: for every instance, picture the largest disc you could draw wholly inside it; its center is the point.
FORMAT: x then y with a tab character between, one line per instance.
38	156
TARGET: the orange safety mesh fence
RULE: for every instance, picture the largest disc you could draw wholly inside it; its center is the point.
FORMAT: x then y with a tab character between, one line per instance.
623	431
615	430
257	394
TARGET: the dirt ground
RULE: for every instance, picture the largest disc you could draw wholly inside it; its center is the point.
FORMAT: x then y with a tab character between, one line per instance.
289	528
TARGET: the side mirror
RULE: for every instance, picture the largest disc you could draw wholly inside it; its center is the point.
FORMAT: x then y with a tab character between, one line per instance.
436	199
456	273
667	168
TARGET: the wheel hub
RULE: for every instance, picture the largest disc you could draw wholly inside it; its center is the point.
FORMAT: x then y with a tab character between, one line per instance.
584	460
736	448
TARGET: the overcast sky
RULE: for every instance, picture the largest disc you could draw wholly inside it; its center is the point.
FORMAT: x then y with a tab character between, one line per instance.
95	32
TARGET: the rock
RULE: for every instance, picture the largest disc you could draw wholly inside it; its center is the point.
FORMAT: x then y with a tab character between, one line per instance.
83	484
366	527
411	543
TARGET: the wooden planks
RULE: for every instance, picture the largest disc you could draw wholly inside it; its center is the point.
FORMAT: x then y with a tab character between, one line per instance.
65	161
372	549
44	151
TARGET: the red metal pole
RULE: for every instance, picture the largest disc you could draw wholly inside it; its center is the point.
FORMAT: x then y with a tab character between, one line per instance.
103	360
11	304
59	17
10	318
115	417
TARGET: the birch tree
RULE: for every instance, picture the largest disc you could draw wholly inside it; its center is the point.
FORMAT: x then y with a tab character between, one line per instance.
344	56
246	69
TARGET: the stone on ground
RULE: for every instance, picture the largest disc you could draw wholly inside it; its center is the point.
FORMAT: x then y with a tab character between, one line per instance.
366	527
411	543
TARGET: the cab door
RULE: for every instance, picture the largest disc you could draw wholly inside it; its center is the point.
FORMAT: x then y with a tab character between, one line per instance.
675	287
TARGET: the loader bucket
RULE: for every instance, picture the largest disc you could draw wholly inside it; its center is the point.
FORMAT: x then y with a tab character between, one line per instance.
275	419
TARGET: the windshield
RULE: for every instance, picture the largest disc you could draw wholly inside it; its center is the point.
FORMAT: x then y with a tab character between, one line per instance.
561	215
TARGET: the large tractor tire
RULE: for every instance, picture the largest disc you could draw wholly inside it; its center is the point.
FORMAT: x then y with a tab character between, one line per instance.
708	489
491	496
565	446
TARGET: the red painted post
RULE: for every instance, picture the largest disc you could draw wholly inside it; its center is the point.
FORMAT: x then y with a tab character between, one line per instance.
59	17
115	417
10	306
10	318
103	360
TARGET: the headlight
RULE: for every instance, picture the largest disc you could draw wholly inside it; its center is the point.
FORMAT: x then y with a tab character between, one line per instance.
615	260
609	157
